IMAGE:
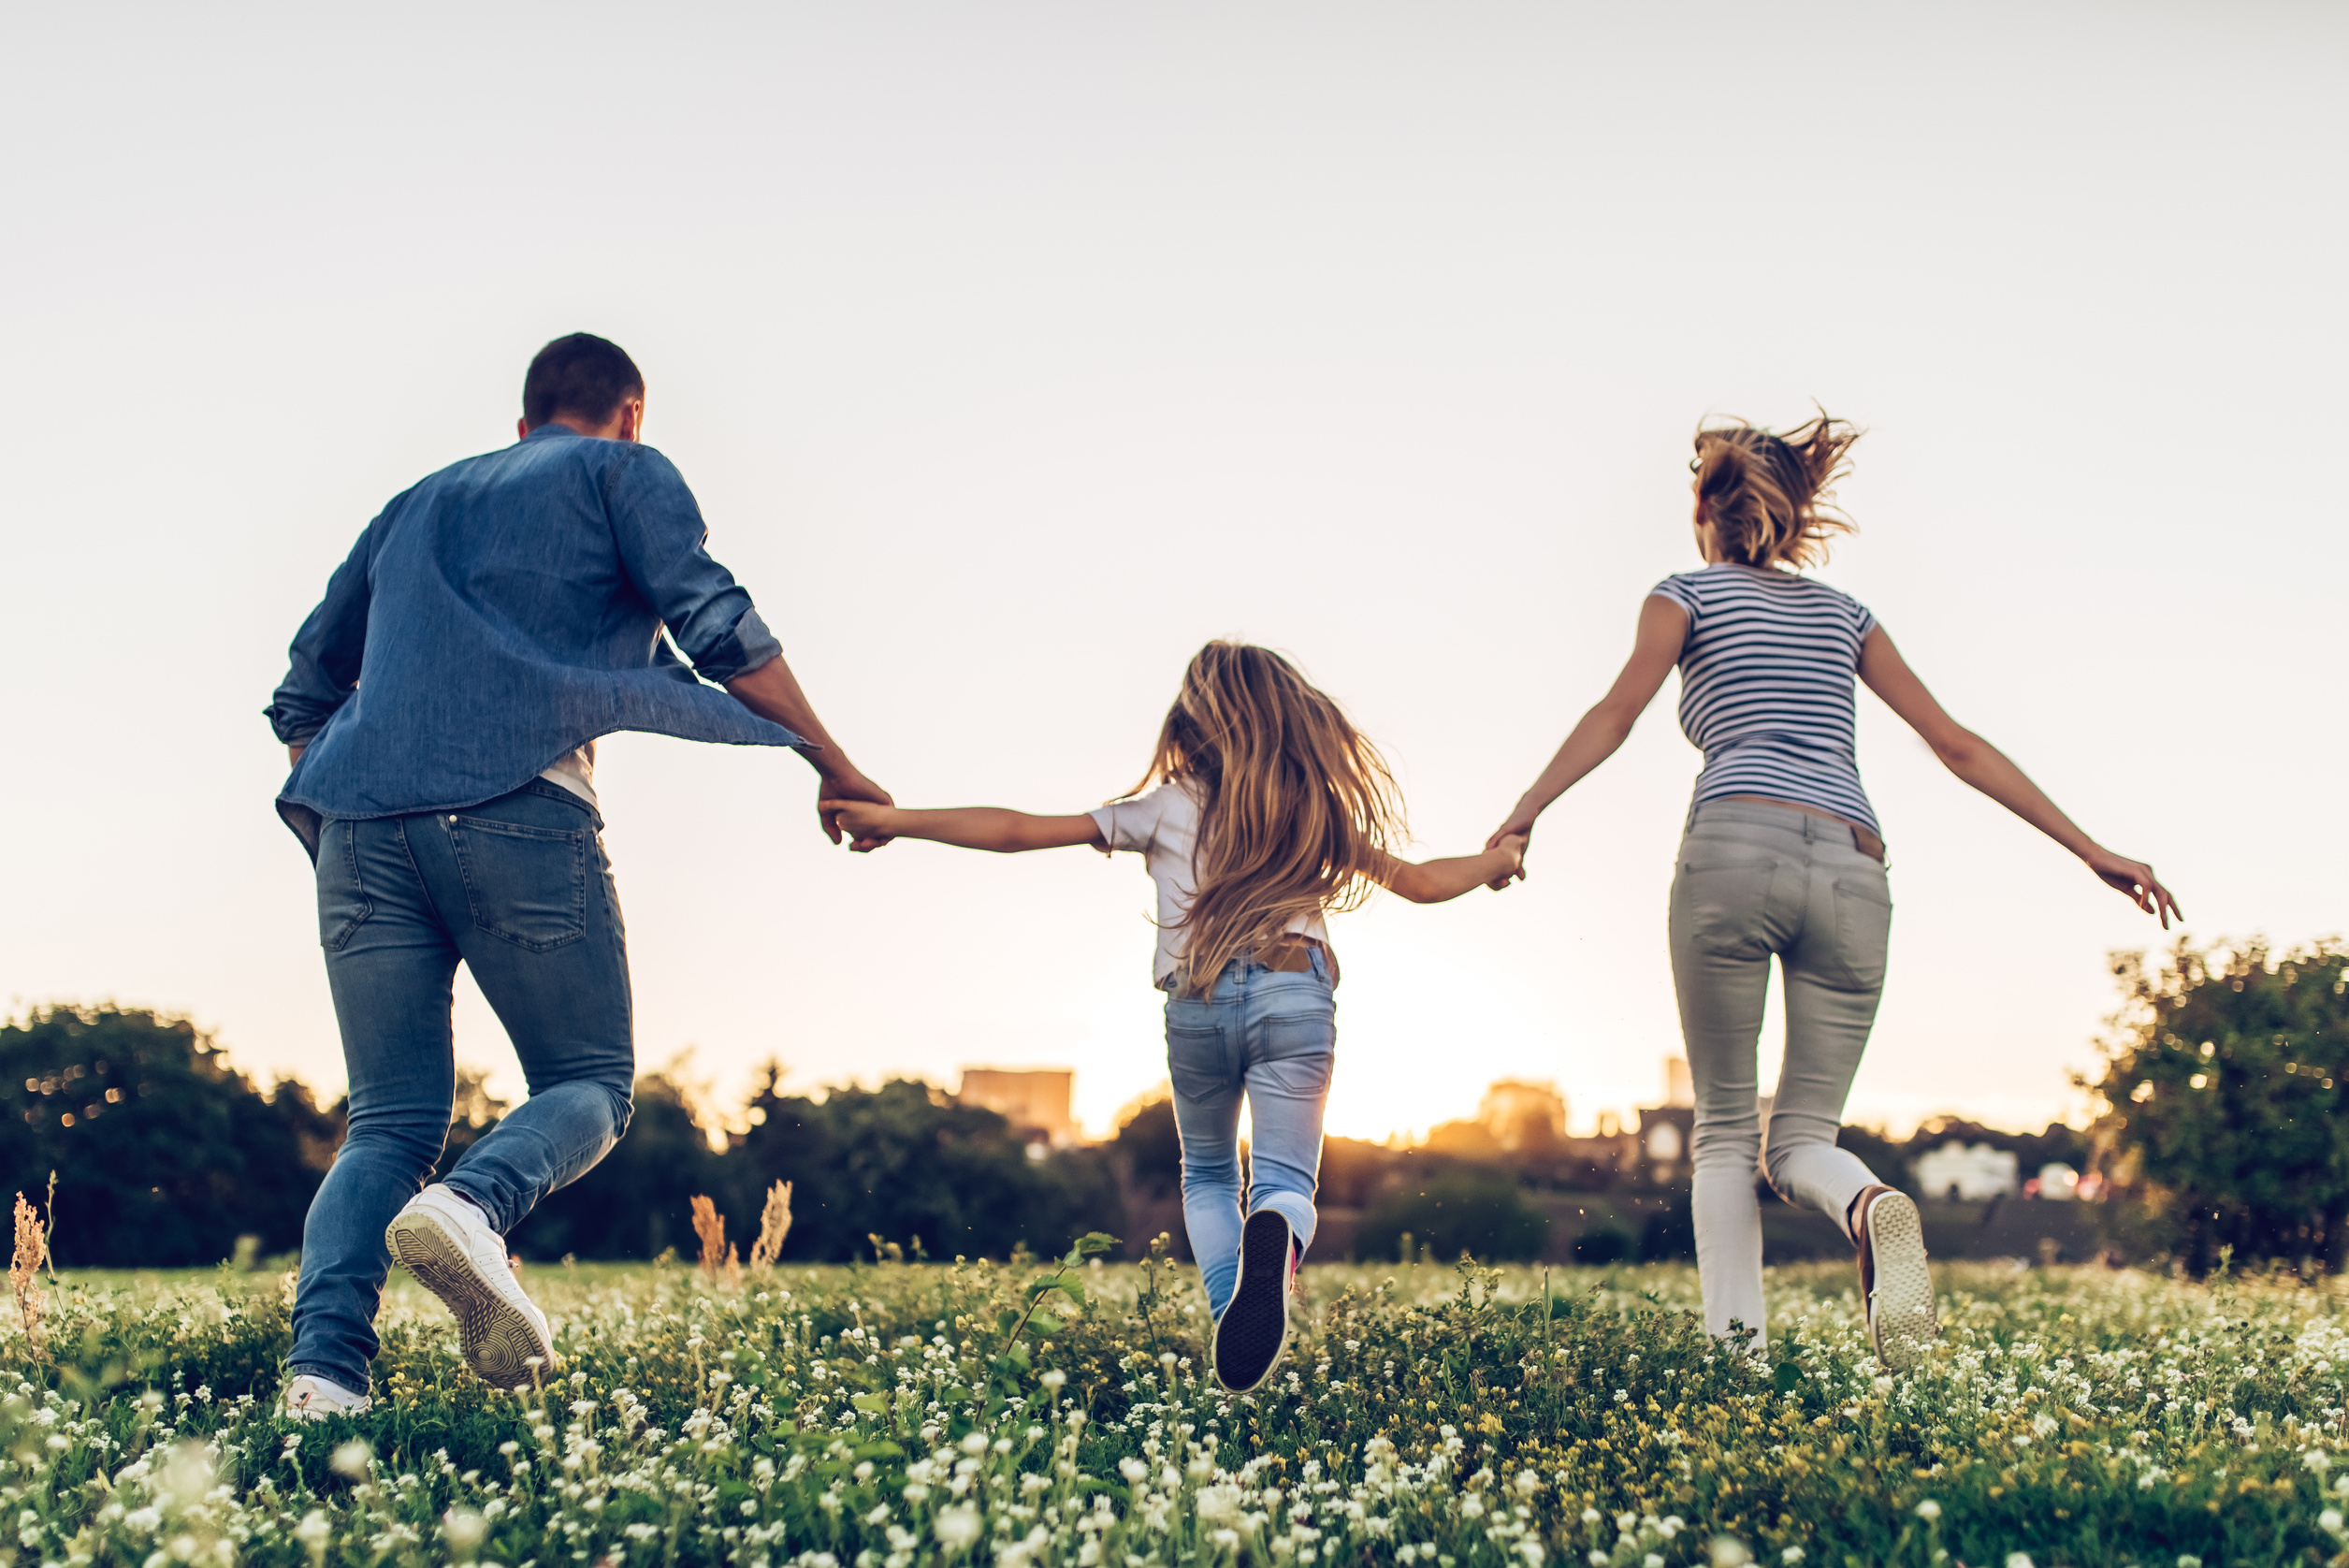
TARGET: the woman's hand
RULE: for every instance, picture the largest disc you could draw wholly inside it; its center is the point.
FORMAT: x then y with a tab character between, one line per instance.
2135	879
1519	825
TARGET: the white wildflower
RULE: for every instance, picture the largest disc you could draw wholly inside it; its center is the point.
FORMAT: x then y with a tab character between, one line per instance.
463	1529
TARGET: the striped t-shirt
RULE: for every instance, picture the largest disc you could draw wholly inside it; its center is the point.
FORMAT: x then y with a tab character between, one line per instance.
1766	685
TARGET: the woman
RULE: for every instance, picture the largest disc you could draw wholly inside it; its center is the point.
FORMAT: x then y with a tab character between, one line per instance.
1782	857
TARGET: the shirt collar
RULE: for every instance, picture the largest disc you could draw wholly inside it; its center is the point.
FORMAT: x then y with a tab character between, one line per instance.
553	429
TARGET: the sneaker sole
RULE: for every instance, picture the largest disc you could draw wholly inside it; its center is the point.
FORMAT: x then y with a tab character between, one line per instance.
1254	1328
1901	1321
496	1341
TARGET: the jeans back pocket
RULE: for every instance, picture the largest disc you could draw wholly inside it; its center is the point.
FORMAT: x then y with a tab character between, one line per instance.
342	902
525	885
1723	903
1864	929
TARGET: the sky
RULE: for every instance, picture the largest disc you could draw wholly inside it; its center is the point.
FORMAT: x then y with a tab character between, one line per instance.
1013	351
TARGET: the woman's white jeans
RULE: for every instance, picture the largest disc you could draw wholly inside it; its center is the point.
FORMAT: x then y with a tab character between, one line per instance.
1756	882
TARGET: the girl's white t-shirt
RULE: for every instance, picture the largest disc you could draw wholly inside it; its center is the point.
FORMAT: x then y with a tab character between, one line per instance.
1162	826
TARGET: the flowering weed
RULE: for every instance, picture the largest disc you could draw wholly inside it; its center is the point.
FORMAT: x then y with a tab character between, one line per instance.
889	1415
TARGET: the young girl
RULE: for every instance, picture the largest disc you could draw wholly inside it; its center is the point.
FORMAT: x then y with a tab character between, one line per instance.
1271	810
1782	859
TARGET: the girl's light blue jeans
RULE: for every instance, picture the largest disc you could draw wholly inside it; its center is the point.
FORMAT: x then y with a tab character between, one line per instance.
1271	1039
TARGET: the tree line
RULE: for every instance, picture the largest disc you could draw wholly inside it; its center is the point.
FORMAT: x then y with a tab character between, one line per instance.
2220	1131
165	1155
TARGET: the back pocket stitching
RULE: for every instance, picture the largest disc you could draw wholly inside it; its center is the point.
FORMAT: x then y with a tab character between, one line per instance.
574	837
350	858
1756	944
1863	890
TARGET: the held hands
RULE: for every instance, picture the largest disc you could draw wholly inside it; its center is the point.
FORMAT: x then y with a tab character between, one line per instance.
1519	827
866	819
848	800
1510	849
2134	879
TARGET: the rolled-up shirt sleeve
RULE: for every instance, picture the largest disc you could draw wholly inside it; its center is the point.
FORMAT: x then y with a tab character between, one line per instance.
323	668
660	535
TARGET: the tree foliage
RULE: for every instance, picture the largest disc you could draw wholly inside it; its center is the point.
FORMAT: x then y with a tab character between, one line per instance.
2226	1081
163	1154
904	1162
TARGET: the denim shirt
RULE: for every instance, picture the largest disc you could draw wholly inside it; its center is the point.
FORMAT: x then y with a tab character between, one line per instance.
502	613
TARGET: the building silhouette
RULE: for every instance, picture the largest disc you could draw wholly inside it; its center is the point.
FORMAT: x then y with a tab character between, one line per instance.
1035	1101
1524	1115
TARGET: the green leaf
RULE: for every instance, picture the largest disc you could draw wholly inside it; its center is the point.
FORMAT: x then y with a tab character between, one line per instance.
1788	1376
1005	1319
1095	1240
1044	1324
957	1392
874	1403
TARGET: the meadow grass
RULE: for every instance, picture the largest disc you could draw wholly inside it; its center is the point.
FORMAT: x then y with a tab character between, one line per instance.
885	1416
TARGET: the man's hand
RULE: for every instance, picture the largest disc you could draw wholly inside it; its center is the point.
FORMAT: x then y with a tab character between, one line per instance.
836	795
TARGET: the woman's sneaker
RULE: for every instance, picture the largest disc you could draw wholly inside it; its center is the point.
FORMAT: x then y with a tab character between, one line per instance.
318	1398
447	1244
1254	1328
1895	1279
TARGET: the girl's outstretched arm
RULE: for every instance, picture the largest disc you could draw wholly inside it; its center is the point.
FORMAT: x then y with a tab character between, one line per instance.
1991	771
1433	881
1664	626
969	827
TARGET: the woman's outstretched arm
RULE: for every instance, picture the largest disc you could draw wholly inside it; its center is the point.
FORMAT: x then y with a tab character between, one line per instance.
969	827
1989	770
1664	626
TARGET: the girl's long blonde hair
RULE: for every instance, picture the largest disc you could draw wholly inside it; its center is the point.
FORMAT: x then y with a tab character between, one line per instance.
1296	808
1769	496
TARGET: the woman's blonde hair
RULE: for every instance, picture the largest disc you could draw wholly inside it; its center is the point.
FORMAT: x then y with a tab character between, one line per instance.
1769	495
1296	808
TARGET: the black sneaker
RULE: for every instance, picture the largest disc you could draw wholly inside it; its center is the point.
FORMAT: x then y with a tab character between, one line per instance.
1254	1328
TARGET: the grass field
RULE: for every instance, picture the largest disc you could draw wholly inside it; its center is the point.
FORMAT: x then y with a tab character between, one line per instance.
885	1416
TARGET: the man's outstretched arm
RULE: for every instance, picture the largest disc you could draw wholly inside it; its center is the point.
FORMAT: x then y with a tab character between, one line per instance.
773	692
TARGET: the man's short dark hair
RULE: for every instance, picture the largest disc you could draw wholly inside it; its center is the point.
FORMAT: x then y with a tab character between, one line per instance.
582	375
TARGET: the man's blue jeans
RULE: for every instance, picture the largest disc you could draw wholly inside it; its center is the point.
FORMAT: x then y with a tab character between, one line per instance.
518	891
1272	1038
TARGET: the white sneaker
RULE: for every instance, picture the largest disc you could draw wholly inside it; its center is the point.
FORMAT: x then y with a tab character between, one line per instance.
314	1398
1896	1281
447	1244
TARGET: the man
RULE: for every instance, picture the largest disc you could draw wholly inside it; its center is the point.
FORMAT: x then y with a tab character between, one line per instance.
442	714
